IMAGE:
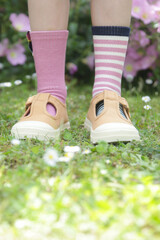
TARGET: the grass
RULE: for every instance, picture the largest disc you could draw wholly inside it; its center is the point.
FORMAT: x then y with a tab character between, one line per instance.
88	198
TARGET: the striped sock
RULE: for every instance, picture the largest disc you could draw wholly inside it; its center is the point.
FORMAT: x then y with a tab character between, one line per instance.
110	46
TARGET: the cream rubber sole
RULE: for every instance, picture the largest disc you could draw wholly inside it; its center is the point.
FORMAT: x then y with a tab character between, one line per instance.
112	132
37	129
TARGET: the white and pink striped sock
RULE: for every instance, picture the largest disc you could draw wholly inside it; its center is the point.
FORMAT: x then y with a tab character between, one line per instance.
110	46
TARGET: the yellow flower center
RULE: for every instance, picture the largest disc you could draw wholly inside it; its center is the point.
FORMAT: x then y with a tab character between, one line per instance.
13	54
50	157
136	9
144	16
19	26
129	68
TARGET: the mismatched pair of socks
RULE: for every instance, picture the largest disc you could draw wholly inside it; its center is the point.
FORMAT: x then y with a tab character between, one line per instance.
49	52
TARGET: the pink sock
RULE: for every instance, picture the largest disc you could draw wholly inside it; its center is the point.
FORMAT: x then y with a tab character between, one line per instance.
49	52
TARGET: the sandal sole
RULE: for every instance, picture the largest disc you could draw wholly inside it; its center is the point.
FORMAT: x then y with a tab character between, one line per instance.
37	130
112	132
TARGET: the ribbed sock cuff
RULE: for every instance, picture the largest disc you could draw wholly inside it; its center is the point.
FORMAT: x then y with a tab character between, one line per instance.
111	30
59	34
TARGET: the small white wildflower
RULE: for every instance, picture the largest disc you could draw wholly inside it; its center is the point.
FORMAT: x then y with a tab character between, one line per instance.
18	82
64	159
129	78
28	77
108	161
82	97
140	222
8	185
76	185
103	171
15	141
51	157
154	188
146	99
147	107
66	200
140	187
87	151
87	226
149	81
72	149
34	75
22	223
6	84
1	66
51	181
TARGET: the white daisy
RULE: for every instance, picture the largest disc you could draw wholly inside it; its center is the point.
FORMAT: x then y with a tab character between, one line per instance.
146	99
82	97
18	82
28	77
22	223
51	181
15	141
103	171
64	159
6	84
1	66
147	107
129	78
51	157
108	161
72	149
149	81
34	75
87	151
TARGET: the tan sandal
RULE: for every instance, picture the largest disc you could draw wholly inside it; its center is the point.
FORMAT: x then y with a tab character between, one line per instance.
37	122
110	125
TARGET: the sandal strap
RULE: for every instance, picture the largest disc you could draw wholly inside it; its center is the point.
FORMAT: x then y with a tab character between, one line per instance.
125	105
51	100
29	101
124	102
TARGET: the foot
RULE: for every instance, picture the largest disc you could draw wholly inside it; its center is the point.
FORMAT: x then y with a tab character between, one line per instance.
37	122
109	120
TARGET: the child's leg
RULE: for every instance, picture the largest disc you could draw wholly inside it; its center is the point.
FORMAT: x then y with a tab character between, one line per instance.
49	34
49	22
48	15
108	118
111	13
110	20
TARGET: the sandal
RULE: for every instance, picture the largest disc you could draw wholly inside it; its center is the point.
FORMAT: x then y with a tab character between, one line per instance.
37	122
111	125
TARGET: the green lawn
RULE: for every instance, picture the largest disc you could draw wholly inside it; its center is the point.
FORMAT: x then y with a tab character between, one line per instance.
113	193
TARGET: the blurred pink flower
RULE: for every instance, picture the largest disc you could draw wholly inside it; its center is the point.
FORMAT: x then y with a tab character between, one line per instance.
16	55
72	68
3	47
149	59
158	30
143	10
20	22
130	68
134	53
141	37
90	62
